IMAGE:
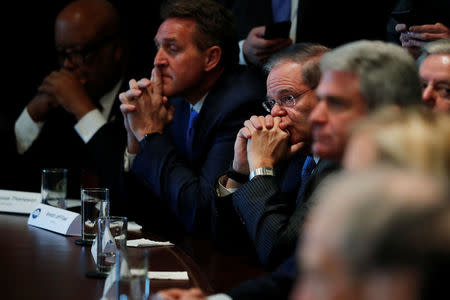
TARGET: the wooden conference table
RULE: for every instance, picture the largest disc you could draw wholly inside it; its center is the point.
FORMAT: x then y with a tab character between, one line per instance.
40	264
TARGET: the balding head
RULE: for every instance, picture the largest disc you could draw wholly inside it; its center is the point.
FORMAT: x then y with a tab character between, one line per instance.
87	37
92	18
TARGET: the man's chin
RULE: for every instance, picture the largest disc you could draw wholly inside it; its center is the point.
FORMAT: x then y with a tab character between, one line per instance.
323	151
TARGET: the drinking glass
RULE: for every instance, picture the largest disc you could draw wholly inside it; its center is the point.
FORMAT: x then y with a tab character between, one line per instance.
111	237
94	204
54	187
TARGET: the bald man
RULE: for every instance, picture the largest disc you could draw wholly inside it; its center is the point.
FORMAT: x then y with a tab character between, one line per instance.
74	121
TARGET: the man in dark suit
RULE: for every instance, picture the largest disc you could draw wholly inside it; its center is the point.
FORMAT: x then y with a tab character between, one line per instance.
348	90
330	23
270	203
197	85
74	121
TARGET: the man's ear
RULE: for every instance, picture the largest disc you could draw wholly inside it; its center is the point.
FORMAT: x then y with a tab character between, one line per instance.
212	58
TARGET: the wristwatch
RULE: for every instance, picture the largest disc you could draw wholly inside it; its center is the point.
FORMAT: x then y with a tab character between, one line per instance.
267	171
236	176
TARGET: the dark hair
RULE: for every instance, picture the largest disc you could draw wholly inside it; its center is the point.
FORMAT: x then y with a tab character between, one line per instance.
216	25
306	54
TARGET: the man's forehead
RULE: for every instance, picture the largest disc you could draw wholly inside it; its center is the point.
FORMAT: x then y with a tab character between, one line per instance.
286	77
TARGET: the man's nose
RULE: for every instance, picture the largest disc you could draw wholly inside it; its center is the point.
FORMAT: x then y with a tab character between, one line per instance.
160	59
278	110
429	95
319	113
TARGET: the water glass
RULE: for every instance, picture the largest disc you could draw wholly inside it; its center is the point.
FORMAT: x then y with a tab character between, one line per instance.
54	187
111	237
94	204
133	283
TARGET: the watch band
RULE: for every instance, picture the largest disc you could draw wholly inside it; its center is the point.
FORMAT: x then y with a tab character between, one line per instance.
236	176
267	171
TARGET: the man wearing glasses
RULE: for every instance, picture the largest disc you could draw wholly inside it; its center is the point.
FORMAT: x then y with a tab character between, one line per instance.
272	160
74	119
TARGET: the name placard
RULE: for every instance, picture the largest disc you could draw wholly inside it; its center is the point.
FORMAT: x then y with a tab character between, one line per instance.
55	219
18	202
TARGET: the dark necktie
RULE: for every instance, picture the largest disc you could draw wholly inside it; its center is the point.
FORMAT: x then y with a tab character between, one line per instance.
190	132
281	10
307	170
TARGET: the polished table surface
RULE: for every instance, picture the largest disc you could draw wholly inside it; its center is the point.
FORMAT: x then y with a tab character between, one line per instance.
40	264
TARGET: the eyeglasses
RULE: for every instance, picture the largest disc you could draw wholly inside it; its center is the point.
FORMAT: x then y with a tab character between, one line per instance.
81	56
286	101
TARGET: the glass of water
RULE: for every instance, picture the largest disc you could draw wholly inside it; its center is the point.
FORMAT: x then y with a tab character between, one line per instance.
111	237
133	283
54	187
94	204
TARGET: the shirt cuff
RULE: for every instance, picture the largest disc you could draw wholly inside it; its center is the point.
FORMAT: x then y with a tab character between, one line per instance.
89	124
221	190
128	159
219	297
26	131
241	53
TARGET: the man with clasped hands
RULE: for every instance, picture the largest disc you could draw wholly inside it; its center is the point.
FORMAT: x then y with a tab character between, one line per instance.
181	123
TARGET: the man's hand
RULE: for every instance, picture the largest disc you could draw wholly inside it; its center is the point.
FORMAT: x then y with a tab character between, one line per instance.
132	142
68	91
268	143
40	106
146	109
257	50
180	294
415	37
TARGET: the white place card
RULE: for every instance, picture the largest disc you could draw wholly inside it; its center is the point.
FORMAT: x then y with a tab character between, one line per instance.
18	202
175	275
56	219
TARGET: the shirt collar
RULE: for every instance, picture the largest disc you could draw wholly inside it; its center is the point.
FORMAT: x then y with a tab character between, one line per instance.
198	106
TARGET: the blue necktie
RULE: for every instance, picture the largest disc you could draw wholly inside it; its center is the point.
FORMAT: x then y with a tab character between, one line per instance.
281	10
190	132
308	167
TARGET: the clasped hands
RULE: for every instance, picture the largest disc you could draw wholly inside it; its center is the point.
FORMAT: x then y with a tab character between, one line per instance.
262	142
144	108
60	88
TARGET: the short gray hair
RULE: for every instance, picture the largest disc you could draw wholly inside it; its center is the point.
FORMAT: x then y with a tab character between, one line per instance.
435	47
387	73
306	54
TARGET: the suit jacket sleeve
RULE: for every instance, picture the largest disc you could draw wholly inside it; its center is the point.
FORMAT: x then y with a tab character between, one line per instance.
273	219
266	212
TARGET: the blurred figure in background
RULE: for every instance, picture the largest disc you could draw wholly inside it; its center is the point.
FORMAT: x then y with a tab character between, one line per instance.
434	64
357	79
415	139
378	234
